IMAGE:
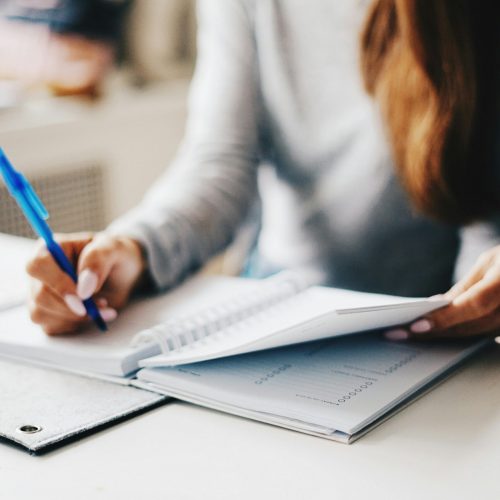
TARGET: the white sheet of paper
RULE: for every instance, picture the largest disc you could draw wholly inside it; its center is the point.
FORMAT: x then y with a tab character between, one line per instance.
338	384
315	313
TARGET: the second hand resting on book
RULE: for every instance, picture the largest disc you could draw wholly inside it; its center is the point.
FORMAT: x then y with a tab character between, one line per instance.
112	267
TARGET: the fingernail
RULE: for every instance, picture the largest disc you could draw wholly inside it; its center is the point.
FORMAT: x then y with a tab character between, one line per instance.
108	314
75	305
87	284
421	326
399	334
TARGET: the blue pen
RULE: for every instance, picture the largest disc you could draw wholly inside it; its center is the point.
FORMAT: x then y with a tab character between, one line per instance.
36	214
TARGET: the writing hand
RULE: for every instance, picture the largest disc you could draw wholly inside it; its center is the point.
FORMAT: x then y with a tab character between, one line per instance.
109	268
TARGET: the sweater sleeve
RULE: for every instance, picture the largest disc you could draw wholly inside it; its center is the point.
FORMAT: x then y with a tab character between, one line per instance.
192	212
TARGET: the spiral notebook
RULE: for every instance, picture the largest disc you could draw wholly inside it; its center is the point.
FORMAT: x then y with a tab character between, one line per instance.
281	310
209	318
336	388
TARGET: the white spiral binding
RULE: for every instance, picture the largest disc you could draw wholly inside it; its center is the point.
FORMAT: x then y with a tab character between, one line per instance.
178	333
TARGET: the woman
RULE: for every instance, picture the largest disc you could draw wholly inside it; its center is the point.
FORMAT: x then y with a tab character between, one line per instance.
386	178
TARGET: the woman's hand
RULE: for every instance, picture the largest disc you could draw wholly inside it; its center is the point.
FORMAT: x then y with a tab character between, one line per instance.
474	306
109	268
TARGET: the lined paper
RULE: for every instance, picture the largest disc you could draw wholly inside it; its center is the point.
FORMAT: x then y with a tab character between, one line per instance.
341	384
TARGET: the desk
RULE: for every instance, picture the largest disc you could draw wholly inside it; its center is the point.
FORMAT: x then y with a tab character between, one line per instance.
14	253
444	446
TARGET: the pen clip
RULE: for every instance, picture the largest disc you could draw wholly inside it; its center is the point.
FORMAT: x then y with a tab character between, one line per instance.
33	199
18	185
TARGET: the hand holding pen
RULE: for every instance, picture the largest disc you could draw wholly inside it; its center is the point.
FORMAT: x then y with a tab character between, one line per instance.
108	267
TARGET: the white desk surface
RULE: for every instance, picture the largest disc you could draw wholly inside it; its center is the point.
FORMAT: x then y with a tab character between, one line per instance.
444	446
14	252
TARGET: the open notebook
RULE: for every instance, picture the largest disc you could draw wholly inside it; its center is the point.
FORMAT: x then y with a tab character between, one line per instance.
209	318
336	388
109	354
279	311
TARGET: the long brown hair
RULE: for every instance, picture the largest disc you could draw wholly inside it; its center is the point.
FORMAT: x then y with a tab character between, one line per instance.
433	67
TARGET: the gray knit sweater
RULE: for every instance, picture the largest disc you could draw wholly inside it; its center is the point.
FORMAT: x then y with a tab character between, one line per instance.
277	83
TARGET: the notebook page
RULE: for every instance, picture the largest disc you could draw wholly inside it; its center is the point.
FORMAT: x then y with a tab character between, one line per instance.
312	314
342	384
92	350
288	423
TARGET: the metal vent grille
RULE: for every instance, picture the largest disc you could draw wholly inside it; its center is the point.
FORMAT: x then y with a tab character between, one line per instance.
74	199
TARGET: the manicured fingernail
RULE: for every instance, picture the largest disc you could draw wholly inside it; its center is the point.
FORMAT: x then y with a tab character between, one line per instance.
421	326
399	334
108	314
87	284
75	305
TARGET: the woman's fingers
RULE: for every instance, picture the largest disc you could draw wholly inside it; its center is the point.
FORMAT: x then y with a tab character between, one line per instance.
52	288
476	302
44	297
49	311
43	267
45	271
94	265
53	325
474	275
474	312
111	265
487	325
474	308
